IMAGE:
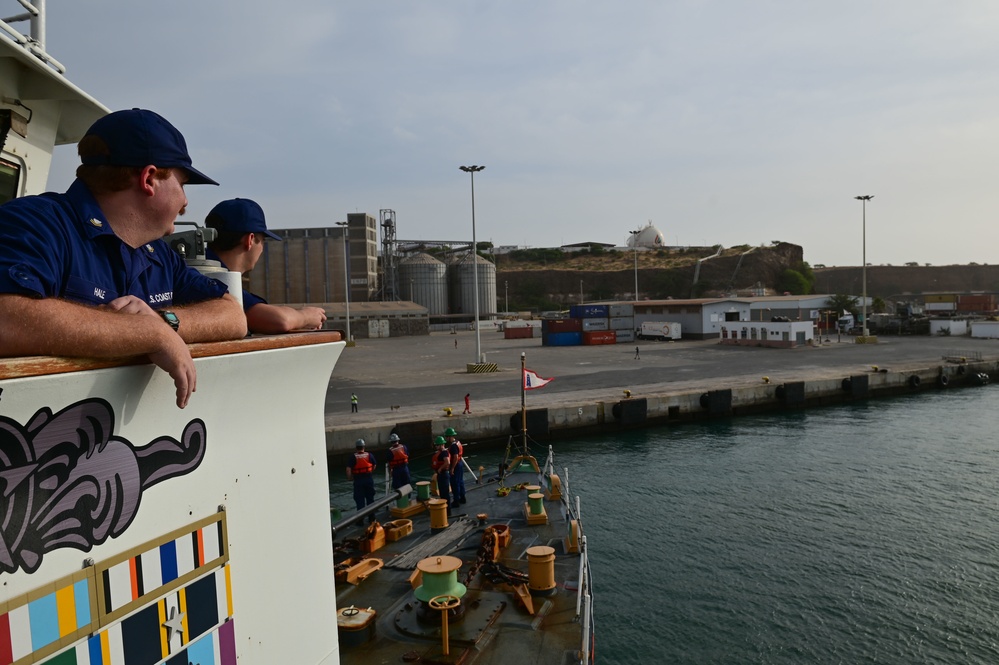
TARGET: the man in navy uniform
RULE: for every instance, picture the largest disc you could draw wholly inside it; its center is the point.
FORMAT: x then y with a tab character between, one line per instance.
86	273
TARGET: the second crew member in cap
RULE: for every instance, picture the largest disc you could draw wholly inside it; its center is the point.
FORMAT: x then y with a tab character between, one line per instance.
240	242
361	469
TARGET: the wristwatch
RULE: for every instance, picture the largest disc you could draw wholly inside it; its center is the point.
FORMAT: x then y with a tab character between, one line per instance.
170	318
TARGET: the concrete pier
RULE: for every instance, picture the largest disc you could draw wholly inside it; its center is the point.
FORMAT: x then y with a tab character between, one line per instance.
406	384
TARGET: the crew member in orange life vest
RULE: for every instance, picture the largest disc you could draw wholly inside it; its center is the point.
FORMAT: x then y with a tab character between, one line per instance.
361	468
441	464
456	451
398	461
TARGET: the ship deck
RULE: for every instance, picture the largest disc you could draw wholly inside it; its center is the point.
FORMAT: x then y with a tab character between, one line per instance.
492	624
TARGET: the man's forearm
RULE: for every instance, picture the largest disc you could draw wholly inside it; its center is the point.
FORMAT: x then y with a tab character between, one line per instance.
215	320
270	319
50	326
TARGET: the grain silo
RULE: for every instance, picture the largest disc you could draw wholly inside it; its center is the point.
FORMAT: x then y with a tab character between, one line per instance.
423	279
463	286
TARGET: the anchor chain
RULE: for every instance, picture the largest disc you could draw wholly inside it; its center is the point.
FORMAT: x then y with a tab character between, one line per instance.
495	572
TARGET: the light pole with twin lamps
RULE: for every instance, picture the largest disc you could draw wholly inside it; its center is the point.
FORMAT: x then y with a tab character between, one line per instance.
346	274
471	171
864	199
634	245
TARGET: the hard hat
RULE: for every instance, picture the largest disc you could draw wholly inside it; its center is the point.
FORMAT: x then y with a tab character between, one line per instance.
439	441
359	443
450	432
393	437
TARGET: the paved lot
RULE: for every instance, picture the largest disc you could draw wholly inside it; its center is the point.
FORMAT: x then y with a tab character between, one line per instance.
422	375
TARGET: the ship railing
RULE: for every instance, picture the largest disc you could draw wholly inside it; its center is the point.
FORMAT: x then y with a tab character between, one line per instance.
584	599
548	467
584	602
32	41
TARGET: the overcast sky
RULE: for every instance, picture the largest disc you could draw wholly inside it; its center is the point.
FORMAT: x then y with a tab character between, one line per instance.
720	121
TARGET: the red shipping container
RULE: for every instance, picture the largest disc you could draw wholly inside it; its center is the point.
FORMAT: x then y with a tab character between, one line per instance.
562	325
518	333
594	337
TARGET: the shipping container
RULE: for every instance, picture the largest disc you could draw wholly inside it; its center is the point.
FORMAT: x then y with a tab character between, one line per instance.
941	306
622	323
595	324
588	311
561	325
523	332
563	339
614	311
624	335
976	303
949	297
595	337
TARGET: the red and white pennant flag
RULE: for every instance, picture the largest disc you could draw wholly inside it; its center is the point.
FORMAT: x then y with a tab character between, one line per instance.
532	380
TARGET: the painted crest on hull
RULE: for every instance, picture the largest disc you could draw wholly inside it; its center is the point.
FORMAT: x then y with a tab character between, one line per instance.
67	481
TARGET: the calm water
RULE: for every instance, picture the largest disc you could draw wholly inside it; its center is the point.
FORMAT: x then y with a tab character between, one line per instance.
860	534
864	534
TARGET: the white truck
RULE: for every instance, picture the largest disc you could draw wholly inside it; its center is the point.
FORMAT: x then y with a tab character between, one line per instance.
659	330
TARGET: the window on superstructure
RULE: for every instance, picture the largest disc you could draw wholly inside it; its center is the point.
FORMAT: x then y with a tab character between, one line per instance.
10	175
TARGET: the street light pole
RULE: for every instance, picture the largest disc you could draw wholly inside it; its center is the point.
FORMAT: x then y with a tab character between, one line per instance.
346	274
634	245
506	296
471	171
580	292
864	199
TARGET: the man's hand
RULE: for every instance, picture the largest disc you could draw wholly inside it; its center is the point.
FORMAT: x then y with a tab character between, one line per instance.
174	357
130	305
50	326
313	318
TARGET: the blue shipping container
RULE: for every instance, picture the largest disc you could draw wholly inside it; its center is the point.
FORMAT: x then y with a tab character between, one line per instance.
594	311
564	339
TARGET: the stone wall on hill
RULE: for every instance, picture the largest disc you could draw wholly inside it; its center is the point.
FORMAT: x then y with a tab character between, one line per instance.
898	282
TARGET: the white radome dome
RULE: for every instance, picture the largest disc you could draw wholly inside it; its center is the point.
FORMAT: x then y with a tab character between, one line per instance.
649	238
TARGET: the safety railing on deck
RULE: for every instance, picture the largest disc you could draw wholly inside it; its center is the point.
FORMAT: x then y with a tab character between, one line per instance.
584	599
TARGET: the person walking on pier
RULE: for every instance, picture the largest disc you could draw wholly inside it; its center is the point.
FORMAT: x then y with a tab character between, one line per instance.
361	470
398	461
456	452
638	355
468	407
353	403
441	464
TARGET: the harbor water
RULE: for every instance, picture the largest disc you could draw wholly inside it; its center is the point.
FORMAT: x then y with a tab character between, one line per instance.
866	533
856	534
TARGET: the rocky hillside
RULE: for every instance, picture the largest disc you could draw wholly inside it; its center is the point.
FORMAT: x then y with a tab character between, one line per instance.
539	278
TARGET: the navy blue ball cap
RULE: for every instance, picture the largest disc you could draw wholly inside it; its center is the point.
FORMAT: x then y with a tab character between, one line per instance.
240	216
141	138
